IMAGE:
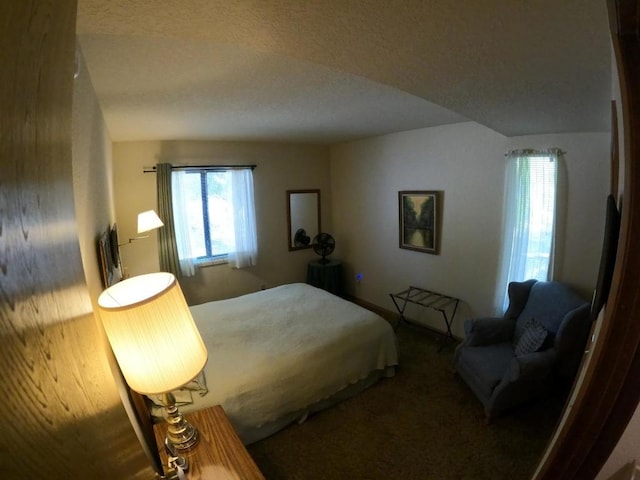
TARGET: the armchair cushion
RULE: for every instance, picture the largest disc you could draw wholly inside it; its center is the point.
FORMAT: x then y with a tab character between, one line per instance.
548	302
531	338
484	331
486	366
532	365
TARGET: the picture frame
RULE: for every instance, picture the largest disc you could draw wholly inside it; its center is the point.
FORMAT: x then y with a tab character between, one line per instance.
114	246
420	220
105	258
108	256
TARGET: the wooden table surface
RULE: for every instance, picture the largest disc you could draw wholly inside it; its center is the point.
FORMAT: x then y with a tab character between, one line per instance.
219	454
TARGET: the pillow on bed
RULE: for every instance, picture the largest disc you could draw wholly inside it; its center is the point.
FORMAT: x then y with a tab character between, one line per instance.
183	395
198	383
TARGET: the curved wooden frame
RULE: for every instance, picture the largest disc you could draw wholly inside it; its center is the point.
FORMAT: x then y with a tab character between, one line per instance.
609	393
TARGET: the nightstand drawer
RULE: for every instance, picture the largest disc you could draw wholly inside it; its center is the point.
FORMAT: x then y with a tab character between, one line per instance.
219	450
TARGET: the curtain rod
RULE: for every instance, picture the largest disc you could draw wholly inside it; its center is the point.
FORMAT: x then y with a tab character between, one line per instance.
535	151
212	168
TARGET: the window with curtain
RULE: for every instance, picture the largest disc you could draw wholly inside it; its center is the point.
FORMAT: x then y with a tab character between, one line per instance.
529	228
214	217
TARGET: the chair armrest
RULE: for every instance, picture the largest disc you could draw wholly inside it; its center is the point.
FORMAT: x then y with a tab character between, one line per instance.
526	376
487	331
536	364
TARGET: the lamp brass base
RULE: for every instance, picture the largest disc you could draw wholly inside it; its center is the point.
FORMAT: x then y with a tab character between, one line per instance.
180	433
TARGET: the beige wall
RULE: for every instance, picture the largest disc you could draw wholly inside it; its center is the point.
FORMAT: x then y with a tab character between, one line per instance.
93	200
280	168
466	161
359	188
92	176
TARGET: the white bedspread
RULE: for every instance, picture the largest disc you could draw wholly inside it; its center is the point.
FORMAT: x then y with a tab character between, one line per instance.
280	350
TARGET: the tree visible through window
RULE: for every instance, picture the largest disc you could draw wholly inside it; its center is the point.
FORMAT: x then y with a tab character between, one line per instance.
209	213
530	217
214	216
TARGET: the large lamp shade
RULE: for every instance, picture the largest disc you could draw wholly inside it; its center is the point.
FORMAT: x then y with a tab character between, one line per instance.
152	333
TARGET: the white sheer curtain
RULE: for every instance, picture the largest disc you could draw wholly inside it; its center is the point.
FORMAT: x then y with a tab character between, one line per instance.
242	248
529	225
187	259
244	219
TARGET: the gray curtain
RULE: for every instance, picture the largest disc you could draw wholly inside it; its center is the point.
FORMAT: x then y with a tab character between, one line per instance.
167	246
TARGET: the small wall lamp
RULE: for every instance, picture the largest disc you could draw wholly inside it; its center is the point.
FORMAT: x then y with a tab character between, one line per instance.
147	221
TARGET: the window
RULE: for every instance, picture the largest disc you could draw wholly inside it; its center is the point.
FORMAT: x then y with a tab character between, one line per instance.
209	212
531	193
214	216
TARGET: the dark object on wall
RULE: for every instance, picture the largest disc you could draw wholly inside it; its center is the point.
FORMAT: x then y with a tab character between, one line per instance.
607	258
323	245
109	260
105	257
115	249
301	239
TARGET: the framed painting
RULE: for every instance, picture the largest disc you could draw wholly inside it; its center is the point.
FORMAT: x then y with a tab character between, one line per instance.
420	221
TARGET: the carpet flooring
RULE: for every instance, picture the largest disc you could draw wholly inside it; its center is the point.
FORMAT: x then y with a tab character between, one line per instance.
424	423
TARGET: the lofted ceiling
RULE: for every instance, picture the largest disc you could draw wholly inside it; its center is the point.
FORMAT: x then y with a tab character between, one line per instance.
326	71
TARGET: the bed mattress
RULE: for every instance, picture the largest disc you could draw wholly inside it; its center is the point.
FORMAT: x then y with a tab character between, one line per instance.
278	354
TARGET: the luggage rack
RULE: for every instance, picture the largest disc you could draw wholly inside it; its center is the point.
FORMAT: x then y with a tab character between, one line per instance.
429	299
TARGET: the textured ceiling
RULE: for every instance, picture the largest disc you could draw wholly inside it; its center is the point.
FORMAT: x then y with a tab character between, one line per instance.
334	70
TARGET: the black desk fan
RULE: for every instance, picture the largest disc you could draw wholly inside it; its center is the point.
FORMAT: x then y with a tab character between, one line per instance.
323	244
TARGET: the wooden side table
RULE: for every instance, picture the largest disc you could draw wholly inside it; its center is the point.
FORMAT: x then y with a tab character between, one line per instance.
219	453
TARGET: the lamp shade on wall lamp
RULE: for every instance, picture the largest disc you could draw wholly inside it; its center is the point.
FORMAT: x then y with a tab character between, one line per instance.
148	220
152	333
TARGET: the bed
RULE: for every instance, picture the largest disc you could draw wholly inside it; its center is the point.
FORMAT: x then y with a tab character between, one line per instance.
277	355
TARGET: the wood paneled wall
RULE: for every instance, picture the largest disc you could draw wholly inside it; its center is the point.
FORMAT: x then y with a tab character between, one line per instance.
61	415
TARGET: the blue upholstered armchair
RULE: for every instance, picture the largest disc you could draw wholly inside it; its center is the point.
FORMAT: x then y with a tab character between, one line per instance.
507	361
